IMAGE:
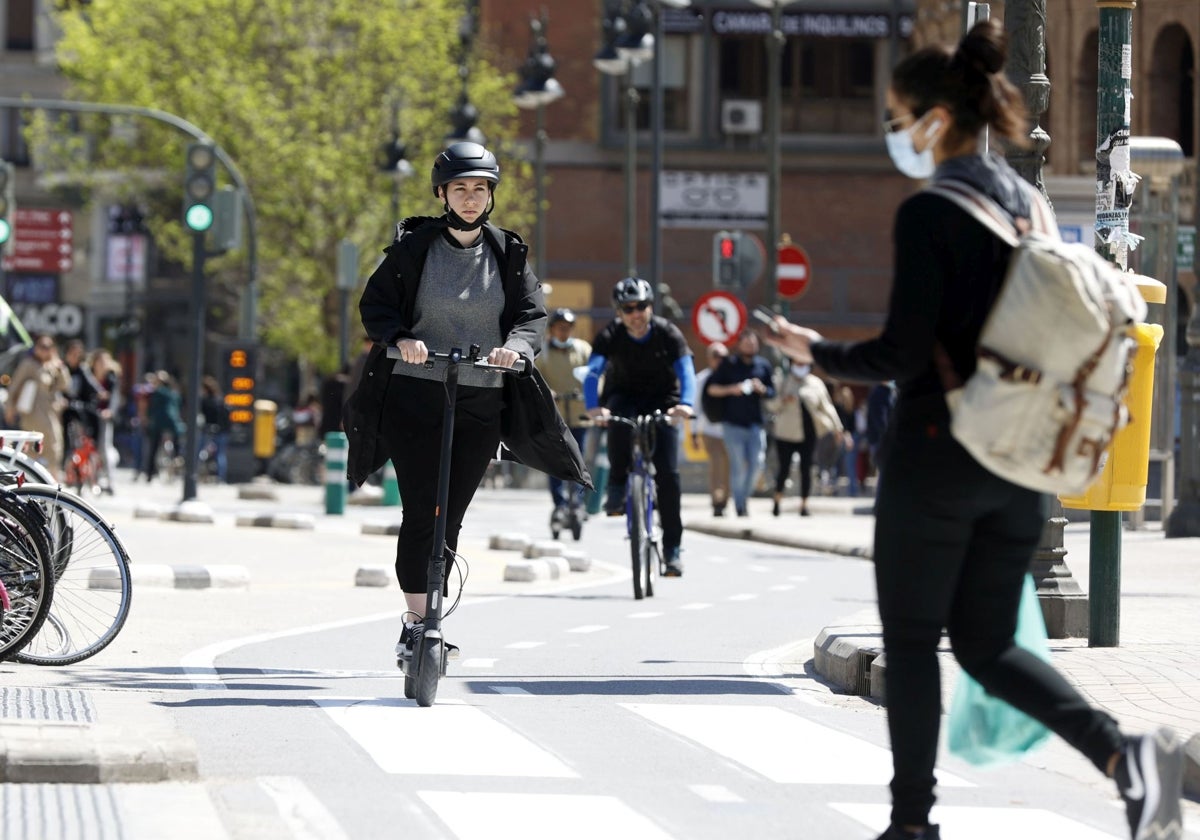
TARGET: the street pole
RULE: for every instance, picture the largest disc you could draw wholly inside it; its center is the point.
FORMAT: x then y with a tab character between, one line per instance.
539	180
192	401
1064	604
774	106
656	150
1113	196
631	103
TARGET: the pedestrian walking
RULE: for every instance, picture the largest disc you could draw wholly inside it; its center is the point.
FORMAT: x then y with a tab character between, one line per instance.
743	380
953	542
164	425
447	281
107	373
37	397
560	357
214	437
707	432
804	414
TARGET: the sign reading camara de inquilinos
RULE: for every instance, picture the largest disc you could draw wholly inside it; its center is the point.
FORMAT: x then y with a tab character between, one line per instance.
713	199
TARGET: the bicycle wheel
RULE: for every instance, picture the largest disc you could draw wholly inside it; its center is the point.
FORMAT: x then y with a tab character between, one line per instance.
429	670
92	583
652	556
639	536
25	572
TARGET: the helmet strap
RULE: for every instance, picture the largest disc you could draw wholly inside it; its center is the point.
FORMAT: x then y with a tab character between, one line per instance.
459	223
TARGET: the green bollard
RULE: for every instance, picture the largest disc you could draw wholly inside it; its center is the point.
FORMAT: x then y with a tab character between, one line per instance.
335	472
599	474
391	488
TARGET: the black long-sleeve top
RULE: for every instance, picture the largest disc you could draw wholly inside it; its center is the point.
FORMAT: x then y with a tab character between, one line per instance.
948	272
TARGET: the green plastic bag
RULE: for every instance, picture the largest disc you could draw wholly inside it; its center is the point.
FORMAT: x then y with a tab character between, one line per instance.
985	730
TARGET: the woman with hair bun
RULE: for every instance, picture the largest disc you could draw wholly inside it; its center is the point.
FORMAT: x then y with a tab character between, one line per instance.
953	541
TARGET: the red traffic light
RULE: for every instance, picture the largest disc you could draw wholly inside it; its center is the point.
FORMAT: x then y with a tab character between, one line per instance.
727	248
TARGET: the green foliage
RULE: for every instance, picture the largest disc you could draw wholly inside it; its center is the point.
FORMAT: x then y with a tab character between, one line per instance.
300	95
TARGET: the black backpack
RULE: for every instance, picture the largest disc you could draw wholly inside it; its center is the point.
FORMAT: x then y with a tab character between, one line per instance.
713	407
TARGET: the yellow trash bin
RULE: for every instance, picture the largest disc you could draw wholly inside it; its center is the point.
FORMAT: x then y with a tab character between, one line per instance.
1121	485
264	428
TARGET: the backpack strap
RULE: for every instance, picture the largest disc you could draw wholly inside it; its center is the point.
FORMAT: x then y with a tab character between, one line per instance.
981	208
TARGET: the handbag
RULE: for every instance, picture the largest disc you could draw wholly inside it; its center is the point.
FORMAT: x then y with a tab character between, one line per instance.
984	730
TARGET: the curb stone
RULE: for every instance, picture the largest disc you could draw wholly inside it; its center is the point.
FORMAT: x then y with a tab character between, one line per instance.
296	521
94	754
162	576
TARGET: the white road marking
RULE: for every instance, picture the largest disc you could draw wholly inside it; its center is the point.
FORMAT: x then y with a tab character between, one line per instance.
305	816
783	587
478	662
715	793
743	596
983	823
772	743
588	628
534	816
524	645
449	738
695	606
757	567
510	690
645	615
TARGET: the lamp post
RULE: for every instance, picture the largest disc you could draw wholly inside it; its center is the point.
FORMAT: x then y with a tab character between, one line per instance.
775	41
611	63
464	115
394	162
538	88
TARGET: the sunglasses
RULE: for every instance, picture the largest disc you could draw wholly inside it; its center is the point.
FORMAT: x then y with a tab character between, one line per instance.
640	306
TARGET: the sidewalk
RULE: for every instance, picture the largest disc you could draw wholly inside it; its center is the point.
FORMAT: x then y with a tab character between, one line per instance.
1151	679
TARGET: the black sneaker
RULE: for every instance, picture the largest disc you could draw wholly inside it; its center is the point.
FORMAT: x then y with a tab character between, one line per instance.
895	832
614	503
674	566
410	637
1149	775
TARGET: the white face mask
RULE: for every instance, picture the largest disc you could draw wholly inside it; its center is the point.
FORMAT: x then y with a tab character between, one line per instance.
560	343
908	160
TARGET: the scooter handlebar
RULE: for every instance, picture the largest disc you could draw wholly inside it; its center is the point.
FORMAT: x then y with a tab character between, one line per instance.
457	357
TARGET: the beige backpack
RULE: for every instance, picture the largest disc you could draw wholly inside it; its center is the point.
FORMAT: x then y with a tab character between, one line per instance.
1046	397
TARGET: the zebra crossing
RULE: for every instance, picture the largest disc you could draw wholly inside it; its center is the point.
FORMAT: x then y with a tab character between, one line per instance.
456	739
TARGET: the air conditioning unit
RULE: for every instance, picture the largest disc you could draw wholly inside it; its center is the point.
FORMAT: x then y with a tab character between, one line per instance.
741	116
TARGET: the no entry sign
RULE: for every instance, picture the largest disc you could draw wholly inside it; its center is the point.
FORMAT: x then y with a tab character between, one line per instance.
793	272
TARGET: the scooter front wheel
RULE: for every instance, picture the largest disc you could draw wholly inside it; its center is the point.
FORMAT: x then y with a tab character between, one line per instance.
429	669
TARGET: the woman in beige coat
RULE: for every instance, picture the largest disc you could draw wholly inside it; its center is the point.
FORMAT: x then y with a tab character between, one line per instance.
36	396
804	414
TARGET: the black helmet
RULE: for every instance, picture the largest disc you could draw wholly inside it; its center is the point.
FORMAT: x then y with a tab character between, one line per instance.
464	160
632	290
561	315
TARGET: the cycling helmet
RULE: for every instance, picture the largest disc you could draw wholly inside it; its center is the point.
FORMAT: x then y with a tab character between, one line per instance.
464	160
561	315
632	290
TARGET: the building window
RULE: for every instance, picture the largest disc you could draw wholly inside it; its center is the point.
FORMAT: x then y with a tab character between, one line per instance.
19	23
827	84
678	52
12	137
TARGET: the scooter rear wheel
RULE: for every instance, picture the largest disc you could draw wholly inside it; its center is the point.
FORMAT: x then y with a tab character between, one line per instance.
429	670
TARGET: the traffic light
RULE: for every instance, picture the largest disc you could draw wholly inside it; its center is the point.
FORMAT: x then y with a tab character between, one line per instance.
199	187
8	205
727	259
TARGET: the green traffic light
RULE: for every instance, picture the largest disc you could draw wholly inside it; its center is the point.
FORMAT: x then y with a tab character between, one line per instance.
5	231
199	217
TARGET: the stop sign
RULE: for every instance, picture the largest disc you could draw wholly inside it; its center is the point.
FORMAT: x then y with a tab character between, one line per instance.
793	272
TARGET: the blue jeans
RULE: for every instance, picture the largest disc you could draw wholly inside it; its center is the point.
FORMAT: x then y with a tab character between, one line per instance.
745	445
558	487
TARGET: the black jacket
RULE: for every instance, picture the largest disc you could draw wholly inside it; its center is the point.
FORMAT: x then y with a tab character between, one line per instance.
386	308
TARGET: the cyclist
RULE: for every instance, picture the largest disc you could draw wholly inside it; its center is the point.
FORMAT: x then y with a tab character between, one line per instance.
562	354
647	367
444	281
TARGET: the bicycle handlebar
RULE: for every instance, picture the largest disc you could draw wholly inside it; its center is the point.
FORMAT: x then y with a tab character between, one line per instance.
457	357
657	417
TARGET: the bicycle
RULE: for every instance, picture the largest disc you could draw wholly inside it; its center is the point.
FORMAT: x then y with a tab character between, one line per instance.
645	536
14	458
83	465
428	662
26	574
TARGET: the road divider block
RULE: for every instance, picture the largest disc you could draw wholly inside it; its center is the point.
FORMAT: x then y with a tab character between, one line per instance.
577	559
381	528
377	576
545	548
295	521
509	542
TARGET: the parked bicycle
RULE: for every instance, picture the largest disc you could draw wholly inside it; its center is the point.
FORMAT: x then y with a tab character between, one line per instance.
428	662
645	535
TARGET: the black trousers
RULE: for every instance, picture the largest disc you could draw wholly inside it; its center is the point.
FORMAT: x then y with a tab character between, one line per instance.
784	452
412	432
665	459
953	543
